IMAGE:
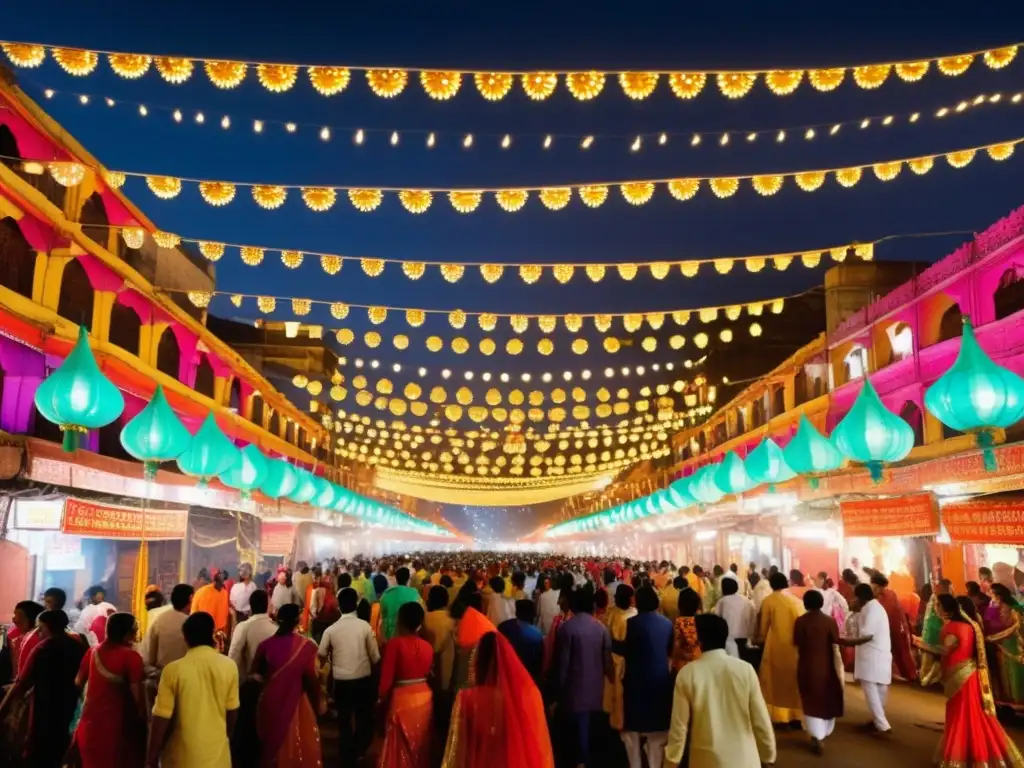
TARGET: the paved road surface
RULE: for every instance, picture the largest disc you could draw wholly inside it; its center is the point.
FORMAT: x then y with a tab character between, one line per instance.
916	717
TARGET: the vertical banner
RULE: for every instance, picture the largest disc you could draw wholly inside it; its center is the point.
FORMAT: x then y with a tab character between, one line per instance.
914	515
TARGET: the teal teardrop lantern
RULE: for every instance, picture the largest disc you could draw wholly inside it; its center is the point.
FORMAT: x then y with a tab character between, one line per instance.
248	472
77	397
872	434
731	476
977	395
210	453
326	493
280	480
155	434
678	494
305	490
703	486
809	452
767	465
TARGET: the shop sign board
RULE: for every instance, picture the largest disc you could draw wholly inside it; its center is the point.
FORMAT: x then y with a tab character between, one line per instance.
997	521
38	515
277	539
103	521
913	515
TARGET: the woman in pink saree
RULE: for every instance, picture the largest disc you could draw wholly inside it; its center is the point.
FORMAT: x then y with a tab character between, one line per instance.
286	714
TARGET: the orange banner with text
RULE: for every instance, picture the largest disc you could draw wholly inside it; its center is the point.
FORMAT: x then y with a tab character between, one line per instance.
277	538
914	515
84	518
985	522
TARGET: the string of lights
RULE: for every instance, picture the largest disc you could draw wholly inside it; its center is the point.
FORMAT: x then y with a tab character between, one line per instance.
529	273
511	199
443	85
362	136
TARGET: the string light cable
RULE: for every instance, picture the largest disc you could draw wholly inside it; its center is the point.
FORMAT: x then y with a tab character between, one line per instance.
635	142
636	192
443	85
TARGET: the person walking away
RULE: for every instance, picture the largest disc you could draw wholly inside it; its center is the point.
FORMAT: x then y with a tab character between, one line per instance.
240	593
547	606
246	638
685	645
718	708
584	661
526	639
439	631
739	613
302	580
669	597
112	730
646	680
873	657
899	628
323	608
497	607
284	593
41	704
760	589
25	635
499	722
286	714
778	673
470	626
1002	633
931	631
818	673
213	599
972	735
352	649
393	599
403	688
196	704
615	620
97	606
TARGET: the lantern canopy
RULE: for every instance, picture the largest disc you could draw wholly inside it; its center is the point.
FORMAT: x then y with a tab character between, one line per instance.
326	493
766	464
280	480
249	472
703	486
77	396
679	493
210	453
872	434
155	434
731	476
306	488
809	452
977	395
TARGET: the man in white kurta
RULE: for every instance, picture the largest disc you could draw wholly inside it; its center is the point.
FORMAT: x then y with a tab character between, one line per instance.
873	658
717	702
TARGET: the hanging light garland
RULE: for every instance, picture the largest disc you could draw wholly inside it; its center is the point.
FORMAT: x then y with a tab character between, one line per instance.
637	193
441	85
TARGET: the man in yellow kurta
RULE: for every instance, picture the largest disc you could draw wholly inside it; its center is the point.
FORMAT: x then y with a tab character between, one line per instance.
779	613
669	597
615	619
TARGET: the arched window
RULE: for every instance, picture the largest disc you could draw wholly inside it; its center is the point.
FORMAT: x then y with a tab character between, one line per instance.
168	354
17	259
34	172
10	154
701	442
800	387
1009	296
76	295
952	324
901	340
911	414
289	432
741	421
257	410
720	434
758	417
125	328
949	432
235	395
205	377
94	221
856	363
46	430
274	424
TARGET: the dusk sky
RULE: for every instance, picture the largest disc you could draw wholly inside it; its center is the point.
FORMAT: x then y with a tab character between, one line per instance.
657	36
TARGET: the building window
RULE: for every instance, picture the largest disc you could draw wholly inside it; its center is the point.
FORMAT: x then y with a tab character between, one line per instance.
1009	296
901	339
856	363
76	295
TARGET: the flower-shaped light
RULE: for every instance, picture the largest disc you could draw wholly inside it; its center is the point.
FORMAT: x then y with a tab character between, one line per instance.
277	78
977	395
327	81
225	74
493	86
872	434
77	396
387	83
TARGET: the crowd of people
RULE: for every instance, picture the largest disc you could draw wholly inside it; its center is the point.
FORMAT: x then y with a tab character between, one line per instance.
499	660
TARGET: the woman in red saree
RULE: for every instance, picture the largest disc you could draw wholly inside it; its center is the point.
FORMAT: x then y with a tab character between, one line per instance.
499	721
403	685
286	714
112	730
973	737
25	636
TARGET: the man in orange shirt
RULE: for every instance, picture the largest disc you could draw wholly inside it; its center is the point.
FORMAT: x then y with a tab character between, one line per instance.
213	599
